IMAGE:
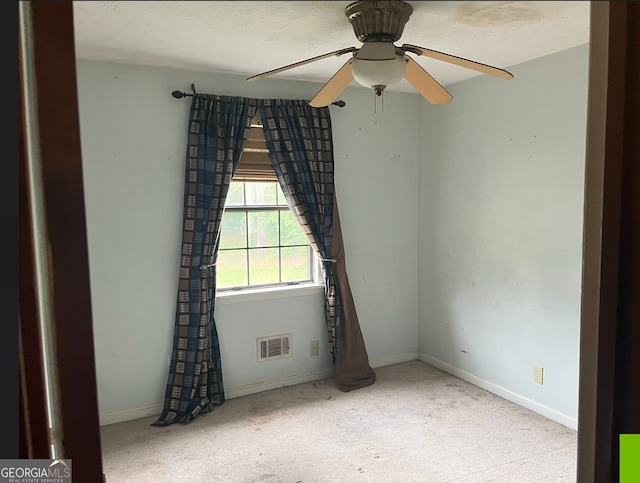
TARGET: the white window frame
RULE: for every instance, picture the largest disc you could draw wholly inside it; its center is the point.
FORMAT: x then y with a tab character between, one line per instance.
271	290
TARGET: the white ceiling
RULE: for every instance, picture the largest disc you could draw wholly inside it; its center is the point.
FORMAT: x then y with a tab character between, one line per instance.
249	37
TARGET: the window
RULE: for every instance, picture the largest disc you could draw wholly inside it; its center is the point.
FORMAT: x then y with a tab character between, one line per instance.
261	242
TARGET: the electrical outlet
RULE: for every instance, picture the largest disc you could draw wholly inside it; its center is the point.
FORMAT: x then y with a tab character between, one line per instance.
537	374
314	348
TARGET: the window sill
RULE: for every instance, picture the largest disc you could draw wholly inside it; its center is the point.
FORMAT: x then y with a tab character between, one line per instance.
267	293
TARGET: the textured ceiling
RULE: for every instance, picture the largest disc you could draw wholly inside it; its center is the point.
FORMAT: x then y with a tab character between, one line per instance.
249	37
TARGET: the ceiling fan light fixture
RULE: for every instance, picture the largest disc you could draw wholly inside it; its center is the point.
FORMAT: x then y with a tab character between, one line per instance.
379	63
378	74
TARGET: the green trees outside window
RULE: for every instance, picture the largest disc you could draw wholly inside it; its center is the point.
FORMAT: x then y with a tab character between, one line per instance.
261	242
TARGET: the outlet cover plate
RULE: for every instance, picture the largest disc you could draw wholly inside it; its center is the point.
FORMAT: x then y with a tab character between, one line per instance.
538	374
314	348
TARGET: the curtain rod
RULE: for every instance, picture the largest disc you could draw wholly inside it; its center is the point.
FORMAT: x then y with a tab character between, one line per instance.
180	95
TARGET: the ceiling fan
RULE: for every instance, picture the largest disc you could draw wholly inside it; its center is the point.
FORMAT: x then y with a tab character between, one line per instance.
378	63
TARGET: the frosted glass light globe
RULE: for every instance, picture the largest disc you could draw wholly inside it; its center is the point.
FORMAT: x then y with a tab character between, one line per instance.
381	73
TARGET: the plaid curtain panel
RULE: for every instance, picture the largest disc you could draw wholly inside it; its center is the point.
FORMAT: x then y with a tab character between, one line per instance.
301	149
216	131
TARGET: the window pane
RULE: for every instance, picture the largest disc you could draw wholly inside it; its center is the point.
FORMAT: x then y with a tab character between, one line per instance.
295	264
234	230
263	228
261	193
264	266
291	233
262	247
231	268
235	196
281	200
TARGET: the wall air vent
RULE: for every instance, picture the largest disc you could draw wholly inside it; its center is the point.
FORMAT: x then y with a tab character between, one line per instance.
274	347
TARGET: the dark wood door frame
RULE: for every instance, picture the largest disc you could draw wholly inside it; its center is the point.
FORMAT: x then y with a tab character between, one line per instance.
50	129
610	320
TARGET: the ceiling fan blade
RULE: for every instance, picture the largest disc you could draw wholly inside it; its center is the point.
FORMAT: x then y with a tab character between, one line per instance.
333	87
452	59
302	62
426	85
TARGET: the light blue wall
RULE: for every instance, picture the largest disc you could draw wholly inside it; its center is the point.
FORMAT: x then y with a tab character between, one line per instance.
462	226
133	137
500	250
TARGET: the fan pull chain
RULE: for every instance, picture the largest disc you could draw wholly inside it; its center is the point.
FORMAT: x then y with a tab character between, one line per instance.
375	101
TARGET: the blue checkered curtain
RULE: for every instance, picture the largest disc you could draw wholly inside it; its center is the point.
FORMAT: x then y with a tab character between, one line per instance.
300	145
216	131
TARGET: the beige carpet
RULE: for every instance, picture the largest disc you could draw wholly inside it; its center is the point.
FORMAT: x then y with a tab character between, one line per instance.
415	424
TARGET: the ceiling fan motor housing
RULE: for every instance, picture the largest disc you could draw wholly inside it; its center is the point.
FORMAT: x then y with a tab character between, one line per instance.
378	20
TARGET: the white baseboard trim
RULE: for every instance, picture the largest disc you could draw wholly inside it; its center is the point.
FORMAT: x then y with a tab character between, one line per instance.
395	359
238	391
230	393
504	393
130	414
311	376
233	392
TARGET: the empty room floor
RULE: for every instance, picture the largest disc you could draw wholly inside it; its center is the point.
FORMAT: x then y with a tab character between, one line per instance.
415	424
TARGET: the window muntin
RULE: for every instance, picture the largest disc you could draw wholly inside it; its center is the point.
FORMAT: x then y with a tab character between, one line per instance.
261	242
